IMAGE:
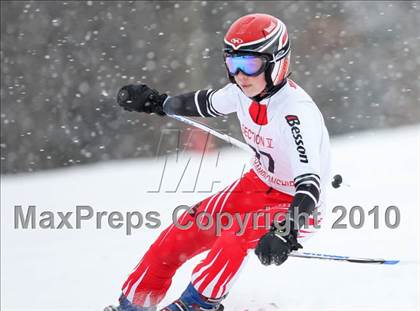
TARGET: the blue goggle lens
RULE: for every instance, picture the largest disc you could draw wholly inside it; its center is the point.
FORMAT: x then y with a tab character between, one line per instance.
249	65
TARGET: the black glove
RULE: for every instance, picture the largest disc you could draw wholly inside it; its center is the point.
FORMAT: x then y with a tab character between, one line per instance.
141	98
275	246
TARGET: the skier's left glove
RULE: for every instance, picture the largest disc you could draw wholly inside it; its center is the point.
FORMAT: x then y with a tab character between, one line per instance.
141	98
275	246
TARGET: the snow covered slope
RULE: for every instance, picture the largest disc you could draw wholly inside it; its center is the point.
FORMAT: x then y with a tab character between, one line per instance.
83	269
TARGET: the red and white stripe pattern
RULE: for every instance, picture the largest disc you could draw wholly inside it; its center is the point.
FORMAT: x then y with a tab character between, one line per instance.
215	275
281	68
209	280
272	37
213	280
274	34
262	33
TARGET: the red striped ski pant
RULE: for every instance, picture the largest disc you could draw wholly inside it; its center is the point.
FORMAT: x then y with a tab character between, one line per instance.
251	204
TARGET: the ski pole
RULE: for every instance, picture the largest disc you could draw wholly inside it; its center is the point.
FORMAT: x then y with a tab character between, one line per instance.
343	258
337	178
207	129
245	147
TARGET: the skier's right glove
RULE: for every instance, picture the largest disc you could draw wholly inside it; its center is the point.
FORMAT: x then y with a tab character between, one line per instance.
276	245
141	98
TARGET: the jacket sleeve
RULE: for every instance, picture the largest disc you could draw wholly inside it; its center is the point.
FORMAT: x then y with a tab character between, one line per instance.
303	129
202	103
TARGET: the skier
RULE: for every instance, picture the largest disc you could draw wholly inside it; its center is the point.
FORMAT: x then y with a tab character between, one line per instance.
284	127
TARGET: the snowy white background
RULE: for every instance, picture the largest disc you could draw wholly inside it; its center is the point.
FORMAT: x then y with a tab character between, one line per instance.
62	63
84	269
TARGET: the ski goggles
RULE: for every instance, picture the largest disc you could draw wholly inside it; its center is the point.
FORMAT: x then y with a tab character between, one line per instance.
248	64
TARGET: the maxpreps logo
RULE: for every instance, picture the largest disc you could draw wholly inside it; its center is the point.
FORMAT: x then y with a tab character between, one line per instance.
293	121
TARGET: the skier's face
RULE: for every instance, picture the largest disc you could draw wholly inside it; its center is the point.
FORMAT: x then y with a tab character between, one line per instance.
251	86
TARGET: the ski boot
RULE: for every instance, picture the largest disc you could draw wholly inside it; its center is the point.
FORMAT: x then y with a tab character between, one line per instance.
192	300
126	305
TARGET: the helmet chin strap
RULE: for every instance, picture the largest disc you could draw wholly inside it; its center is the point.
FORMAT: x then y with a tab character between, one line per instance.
269	89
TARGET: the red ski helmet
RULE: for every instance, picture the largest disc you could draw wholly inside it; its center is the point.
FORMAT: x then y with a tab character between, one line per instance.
265	35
